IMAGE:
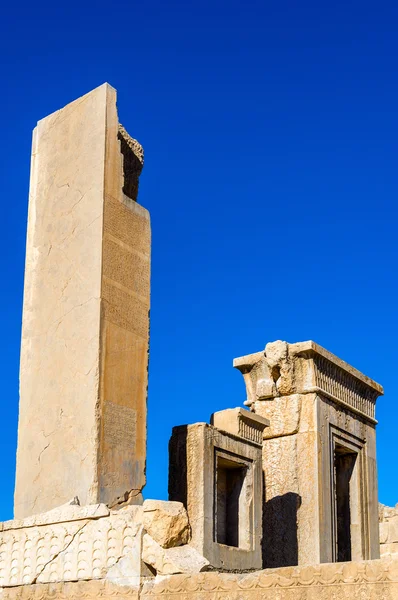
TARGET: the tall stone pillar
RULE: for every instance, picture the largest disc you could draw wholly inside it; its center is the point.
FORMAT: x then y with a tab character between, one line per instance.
84	355
319	454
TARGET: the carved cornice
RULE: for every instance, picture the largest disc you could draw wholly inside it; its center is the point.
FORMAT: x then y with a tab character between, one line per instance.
305	367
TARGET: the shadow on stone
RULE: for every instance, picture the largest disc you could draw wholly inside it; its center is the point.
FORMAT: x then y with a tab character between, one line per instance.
280	542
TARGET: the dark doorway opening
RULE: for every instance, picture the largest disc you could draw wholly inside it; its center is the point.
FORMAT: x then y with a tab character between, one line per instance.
344	462
230	477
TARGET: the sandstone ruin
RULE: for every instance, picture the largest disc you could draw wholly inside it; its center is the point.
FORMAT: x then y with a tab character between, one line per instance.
274	501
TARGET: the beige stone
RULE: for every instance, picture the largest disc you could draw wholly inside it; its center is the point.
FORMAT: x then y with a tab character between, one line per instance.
372	580
79	546
62	514
217	475
388	528
166	522
79	590
84	355
168	561
240	422
318	454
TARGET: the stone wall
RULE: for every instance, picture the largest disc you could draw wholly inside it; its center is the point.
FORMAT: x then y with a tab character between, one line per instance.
370	580
388	524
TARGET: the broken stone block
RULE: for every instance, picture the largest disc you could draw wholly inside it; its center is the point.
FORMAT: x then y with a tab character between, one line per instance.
166	522
170	561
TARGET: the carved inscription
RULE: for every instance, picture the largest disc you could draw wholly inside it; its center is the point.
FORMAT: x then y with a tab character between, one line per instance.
130	224
125	266
120	425
125	310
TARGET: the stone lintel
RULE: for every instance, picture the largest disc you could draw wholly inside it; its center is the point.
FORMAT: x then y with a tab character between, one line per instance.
240	422
284	369
312	349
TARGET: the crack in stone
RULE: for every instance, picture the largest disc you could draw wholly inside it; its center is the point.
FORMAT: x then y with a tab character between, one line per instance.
58	553
45	448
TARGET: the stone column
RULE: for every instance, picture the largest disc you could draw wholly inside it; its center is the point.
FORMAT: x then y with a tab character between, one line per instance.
322	415
84	355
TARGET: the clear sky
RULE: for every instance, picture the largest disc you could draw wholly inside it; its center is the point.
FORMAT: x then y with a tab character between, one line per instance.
270	135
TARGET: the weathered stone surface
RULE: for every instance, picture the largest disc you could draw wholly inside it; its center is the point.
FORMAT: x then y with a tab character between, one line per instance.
62	514
80	590
319	408
84	355
168	561
388	527
240	422
91	546
284	369
373	580
283	413
166	522
218	477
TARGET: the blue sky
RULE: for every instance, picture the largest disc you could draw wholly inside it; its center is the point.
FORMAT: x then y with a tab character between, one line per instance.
270	135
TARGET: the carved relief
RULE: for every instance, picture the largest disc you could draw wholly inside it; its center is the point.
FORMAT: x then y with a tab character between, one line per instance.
82	590
373	580
343	386
68	551
285	369
370	580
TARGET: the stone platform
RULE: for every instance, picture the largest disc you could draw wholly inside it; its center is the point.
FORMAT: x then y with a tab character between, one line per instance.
368	580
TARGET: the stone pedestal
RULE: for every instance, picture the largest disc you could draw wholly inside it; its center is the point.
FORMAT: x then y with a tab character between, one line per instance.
84	356
319	454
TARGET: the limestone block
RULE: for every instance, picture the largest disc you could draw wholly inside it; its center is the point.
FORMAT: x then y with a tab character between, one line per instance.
393	530
389	550
388	529
87	545
240	422
66	513
168	561
166	522
283	414
384	530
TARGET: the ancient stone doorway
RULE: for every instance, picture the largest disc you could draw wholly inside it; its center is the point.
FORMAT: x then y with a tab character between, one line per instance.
344	463
230	480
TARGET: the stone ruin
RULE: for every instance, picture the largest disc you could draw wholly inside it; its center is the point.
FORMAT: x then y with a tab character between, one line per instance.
274	501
